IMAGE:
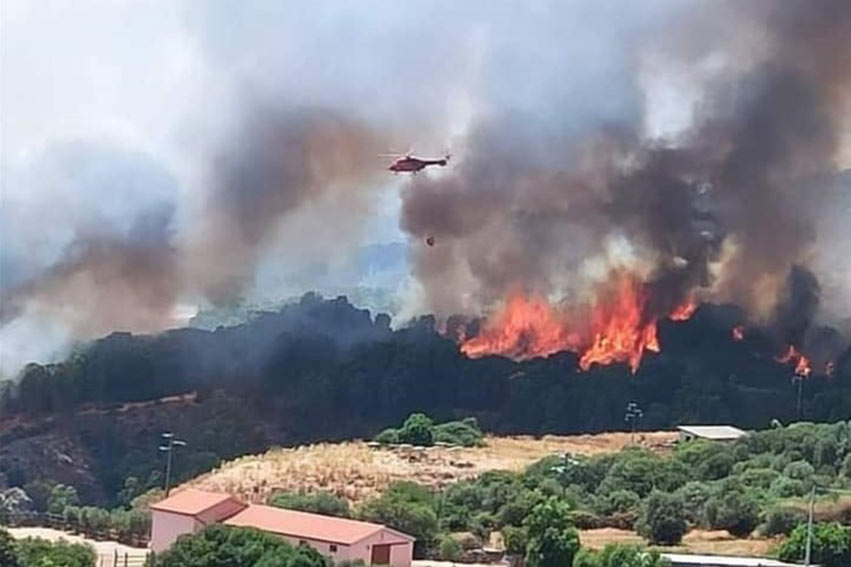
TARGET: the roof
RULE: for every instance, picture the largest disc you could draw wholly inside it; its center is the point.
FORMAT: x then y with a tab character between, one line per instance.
724	561
718	432
305	525
191	502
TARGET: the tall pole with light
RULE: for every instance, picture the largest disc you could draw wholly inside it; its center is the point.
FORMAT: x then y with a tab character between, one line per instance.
633	414
168	447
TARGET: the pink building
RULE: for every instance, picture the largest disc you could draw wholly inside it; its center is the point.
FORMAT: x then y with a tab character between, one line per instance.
340	539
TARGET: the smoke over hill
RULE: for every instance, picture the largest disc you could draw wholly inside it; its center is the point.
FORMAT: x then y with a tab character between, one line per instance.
579	213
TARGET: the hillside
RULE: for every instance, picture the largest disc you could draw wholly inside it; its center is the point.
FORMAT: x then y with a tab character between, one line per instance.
357	471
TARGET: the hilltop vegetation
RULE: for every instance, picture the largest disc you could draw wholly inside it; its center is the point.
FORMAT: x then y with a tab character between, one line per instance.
324	370
748	488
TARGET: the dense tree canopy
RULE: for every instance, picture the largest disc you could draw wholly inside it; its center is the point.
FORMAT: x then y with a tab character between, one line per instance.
320	502
324	370
225	546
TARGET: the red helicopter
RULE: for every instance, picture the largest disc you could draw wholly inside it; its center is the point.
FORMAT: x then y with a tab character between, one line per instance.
409	163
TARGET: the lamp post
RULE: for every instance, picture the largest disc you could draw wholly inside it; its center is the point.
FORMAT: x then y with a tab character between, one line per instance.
633	414
170	444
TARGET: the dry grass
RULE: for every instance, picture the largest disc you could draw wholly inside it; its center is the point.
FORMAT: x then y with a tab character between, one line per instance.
696	541
357	471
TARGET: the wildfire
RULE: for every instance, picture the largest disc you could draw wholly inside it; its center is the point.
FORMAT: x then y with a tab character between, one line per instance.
738	333
684	311
620	334
526	327
801	362
614	329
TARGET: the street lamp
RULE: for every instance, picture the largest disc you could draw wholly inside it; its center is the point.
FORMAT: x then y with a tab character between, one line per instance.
170	444
633	414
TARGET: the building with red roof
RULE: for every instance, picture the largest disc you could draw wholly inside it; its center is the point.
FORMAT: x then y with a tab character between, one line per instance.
340	539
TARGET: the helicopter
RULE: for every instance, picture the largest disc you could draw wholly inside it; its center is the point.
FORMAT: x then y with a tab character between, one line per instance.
409	163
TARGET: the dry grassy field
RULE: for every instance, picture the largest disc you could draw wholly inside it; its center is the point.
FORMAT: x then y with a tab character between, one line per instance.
357	471
696	541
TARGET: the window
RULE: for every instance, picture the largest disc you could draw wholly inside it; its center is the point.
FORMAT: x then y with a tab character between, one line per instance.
333	548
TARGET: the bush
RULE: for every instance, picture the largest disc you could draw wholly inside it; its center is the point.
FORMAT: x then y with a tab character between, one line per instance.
220	545
465	433
616	555
831	545
782	520
449	549
733	510
8	555
388	437
663	521
42	553
319	502
417	430
553	541
515	540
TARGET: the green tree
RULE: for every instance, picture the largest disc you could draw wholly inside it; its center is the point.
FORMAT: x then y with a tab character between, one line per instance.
42	553
418	430
734	510
8	557
515	540
319	502
407	507
616	555
553	541
831	545
220	546
663	520
62	496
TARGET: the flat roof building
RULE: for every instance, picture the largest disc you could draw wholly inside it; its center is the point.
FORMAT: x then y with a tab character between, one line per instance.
689	560
710	432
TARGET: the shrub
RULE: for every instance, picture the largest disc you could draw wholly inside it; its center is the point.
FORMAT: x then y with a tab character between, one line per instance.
388	437
733	510
42	553
515	540
417	430
663	521
449	549
319	502
553	541
782	520
831	546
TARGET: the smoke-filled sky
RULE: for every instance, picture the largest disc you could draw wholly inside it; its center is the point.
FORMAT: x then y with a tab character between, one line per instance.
165	154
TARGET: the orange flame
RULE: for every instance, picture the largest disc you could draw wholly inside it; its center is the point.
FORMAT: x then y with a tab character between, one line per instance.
620	334
684	311
801	362
524	328
738	333
616	330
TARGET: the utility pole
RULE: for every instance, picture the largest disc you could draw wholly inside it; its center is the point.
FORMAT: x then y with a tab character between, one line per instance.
633	414
807	552
169	447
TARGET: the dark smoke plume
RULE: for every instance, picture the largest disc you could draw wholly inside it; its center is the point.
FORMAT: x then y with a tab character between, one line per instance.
277	163
727	209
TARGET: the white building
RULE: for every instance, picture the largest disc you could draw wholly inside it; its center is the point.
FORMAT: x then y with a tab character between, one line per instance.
191	510
710	432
